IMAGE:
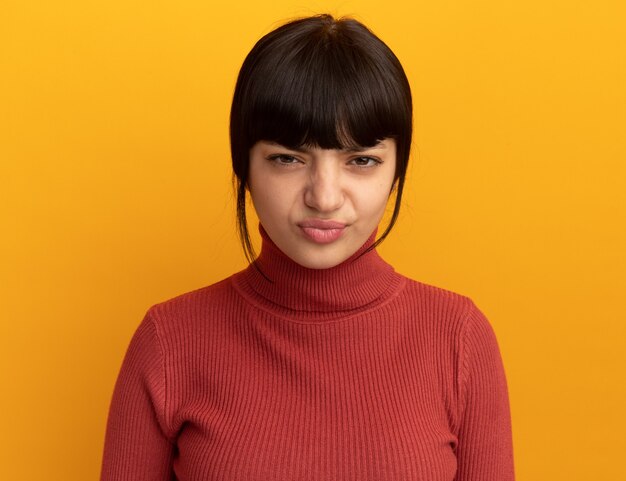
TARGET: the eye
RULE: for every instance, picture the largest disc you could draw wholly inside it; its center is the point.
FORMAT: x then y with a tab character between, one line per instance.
366	161
283	159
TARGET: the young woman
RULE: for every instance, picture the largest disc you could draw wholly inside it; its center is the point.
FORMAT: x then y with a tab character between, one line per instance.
318	361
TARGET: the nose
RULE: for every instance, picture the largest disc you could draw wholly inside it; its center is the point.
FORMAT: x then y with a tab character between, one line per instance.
324	191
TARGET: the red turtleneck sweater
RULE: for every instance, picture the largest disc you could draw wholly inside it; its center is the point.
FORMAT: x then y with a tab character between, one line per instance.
353	373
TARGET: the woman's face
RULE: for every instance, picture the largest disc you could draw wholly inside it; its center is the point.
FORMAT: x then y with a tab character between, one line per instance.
319	206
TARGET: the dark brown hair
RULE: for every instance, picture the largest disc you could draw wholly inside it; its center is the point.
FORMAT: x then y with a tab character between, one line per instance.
319	81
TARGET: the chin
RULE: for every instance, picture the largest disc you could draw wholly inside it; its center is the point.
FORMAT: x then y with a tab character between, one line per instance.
319	260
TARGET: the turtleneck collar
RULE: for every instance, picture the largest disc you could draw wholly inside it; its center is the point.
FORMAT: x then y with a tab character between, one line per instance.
289	289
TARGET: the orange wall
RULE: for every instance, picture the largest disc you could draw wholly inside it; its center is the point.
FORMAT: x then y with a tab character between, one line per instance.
115	194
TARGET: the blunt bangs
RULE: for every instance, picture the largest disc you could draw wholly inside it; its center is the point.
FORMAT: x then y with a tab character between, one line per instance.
325	96
319	82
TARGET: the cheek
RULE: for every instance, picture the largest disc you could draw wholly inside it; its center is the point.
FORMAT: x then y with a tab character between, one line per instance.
381	204
260	189
271	202
378	197
262	201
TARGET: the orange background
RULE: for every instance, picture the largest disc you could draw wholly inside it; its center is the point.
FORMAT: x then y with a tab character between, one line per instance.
115	194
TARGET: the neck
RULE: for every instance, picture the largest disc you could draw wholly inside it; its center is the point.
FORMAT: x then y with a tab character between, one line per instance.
301	293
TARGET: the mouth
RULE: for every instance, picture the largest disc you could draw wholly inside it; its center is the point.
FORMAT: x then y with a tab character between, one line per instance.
322	231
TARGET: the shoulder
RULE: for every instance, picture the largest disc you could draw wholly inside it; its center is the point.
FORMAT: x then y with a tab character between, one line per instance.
196	309
456	318
443	308
432	299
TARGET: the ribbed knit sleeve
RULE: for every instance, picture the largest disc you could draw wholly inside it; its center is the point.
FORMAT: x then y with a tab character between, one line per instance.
485	449
137	446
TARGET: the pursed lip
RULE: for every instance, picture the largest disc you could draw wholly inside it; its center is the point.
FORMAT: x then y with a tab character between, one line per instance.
322	224
322	231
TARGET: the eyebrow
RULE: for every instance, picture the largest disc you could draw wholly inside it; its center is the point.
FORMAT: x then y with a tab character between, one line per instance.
356	148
